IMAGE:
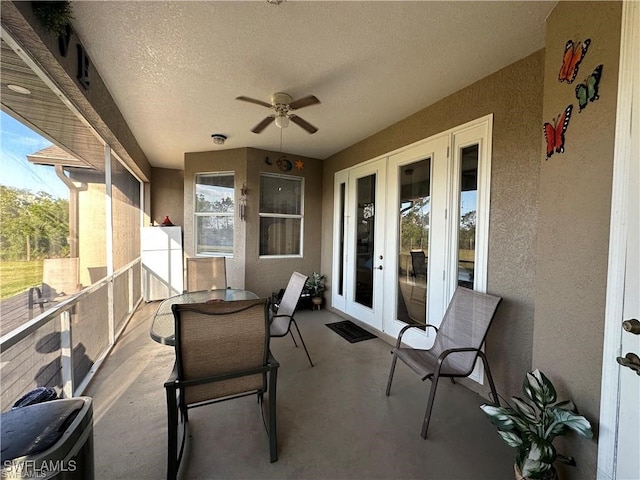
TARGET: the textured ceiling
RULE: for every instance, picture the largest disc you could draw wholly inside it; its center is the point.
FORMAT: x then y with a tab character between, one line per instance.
175	68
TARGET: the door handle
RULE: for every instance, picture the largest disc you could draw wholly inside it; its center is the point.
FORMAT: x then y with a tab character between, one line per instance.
630	360
380	267
632	326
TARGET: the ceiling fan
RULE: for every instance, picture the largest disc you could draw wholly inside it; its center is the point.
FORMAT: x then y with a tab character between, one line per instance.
283	106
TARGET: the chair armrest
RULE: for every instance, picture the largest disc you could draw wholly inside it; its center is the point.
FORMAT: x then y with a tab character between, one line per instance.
273	363
446	353
173	378
407	327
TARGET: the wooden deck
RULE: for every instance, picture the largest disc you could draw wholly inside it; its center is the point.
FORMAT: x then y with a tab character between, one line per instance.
15	311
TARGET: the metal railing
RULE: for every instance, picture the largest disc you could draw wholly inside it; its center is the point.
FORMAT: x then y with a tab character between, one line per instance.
64	346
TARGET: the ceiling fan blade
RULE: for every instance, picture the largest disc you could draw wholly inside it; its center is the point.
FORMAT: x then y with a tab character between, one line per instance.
303	102
253	100
303	123
263	124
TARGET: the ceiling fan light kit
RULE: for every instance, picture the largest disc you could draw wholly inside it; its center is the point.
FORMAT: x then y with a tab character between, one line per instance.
283	106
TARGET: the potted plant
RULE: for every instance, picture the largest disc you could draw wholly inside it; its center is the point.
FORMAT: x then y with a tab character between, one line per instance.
531	425
55	16
315	284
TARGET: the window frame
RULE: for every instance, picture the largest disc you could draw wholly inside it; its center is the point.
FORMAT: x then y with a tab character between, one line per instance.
299	216
196	214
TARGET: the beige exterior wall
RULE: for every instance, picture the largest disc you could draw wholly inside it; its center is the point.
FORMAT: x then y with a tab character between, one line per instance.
246	270
574	215
92	246
216	161
267	275
167	195
514	96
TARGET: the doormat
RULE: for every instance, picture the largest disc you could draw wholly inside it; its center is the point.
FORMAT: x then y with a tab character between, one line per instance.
350	331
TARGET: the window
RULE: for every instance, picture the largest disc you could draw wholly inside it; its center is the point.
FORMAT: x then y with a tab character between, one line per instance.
281	216
214	208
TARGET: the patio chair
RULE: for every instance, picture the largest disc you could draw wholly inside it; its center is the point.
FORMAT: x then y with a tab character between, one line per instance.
282	316
418	263
222	353
457	344
206	274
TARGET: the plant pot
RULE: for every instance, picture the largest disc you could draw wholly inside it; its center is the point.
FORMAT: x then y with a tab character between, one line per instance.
317	302
551	474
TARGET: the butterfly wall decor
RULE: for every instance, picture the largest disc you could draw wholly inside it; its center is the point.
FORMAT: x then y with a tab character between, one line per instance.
573	55
588	91
554	134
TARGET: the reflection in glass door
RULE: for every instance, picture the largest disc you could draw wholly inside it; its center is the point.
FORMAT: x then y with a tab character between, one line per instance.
468	215
365	239
414	209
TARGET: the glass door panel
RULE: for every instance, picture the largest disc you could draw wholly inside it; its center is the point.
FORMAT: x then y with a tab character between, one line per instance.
414	209
468	215
364	247
365	239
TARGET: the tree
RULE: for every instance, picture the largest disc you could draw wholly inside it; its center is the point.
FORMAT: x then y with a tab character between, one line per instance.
34	225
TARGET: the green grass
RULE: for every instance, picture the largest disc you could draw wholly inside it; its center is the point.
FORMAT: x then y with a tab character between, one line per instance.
16	277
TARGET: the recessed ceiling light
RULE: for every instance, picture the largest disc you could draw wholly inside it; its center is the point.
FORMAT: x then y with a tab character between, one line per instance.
19	89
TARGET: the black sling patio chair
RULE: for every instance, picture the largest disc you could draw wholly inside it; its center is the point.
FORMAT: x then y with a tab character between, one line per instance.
222	353
282	317
457	344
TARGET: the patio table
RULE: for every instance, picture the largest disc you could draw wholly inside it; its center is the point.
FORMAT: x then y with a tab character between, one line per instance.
163	325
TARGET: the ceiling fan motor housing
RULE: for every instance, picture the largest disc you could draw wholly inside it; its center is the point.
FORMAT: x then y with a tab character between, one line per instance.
280	99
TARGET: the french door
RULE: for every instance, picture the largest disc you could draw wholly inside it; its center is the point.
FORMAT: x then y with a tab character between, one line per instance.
410	227
364	254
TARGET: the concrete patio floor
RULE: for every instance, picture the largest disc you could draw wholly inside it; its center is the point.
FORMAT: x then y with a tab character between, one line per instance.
334	420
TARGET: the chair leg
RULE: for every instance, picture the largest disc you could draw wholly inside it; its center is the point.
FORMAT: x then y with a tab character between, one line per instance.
492	385
393	368
302	340
293	338
273	429
172	434
432	396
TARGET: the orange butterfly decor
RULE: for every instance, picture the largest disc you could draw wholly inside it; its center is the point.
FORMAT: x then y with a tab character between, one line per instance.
554	134
573	55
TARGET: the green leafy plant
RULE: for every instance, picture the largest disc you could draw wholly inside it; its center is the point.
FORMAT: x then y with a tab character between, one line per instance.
55	16
316	284
531	425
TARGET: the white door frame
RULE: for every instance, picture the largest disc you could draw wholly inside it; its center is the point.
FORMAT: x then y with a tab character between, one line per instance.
629	79
370	315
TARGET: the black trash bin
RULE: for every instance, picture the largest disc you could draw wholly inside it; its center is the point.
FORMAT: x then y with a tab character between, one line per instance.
49	440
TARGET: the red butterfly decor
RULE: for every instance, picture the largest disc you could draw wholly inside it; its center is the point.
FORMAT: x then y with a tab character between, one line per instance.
573	55
554	134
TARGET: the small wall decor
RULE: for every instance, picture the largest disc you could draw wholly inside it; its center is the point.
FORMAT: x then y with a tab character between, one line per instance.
284	164
554	134
299	164
573	55
267	161
588	91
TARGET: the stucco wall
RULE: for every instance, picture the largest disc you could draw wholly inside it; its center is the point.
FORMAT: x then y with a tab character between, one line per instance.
514	96
246	270
216	161
574	213
167	195
266	275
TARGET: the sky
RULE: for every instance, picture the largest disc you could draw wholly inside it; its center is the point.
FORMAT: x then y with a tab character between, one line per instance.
16	142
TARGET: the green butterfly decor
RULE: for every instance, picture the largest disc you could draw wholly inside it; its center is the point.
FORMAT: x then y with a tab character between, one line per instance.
588	91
